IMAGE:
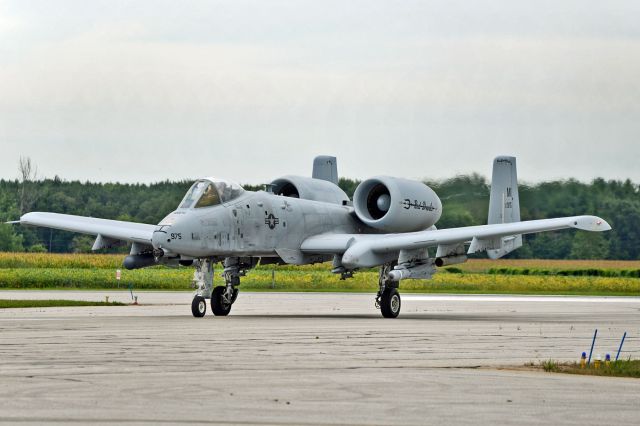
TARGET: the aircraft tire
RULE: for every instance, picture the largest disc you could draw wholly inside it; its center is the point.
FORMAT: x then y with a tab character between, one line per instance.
217	306
390	303
198	306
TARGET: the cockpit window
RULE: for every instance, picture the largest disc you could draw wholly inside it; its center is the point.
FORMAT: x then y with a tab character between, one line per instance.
209	197
229	191
193	194
206	193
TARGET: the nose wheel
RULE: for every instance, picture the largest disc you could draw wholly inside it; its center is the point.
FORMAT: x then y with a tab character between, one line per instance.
198	306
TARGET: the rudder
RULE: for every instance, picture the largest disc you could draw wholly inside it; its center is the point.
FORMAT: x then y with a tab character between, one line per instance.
326	168
504	202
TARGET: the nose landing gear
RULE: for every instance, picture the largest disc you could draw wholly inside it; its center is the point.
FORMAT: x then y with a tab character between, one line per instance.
222	297
203	283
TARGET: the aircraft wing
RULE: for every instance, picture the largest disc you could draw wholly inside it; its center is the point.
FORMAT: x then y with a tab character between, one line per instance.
366	250
105	228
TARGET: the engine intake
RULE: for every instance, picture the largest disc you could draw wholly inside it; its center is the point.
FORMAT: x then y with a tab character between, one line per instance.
396	205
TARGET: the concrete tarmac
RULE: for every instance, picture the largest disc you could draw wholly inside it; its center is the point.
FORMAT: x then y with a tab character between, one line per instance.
306	359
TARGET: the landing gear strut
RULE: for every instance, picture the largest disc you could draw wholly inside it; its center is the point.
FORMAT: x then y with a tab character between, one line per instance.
388	298
203	283
222	297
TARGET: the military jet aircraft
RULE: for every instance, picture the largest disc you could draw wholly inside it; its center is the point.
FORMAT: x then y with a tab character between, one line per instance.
298	220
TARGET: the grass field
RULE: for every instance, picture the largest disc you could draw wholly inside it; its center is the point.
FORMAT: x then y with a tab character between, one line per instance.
5	304
620	368
67	271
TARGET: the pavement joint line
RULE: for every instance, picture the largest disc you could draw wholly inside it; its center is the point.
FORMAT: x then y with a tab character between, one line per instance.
173	421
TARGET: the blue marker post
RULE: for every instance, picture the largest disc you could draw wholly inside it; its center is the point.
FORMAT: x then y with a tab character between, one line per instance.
621	343
592	344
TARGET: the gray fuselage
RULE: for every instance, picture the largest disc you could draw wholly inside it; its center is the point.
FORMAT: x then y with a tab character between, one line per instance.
257	224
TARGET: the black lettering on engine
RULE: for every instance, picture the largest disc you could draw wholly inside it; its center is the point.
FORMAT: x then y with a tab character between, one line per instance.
418	205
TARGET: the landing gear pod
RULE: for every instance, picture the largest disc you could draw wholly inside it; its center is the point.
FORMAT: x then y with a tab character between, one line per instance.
137	261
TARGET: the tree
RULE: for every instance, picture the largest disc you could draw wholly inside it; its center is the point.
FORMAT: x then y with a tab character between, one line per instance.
465	202
625	221
589	245
348	186
28	173
454	217
9	240
82	244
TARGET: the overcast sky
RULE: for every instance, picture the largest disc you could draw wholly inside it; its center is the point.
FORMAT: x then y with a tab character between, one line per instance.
251	90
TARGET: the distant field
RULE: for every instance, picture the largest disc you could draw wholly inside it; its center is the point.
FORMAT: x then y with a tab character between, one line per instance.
114	261
86	271
484	265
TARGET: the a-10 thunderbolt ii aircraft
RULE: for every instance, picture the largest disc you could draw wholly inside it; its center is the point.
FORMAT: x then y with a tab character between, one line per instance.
300	220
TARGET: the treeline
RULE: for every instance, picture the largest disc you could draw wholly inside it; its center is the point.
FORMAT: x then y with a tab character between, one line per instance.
465	202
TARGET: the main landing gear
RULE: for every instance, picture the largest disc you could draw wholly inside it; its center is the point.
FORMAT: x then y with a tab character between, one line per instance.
222	297
388	298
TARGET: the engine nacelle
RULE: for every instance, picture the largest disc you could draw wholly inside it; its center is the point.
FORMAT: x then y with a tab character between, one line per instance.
396	205
309	189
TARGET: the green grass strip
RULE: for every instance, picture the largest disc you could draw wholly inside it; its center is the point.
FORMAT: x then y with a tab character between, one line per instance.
5	304
620	368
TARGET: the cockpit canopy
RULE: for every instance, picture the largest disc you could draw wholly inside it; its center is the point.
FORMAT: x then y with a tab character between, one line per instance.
210	192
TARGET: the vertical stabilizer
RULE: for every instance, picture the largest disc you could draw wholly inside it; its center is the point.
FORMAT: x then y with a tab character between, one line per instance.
325	168
504	203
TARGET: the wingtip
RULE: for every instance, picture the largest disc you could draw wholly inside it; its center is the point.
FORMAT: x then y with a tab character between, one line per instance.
591	223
